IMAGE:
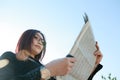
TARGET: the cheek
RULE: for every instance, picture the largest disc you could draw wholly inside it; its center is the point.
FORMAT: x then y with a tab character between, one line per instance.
32	47
42	47
34	41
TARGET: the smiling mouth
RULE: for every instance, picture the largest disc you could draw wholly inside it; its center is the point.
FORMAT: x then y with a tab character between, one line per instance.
37	46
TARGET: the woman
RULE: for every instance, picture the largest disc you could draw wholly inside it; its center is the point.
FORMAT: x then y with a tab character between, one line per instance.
25	63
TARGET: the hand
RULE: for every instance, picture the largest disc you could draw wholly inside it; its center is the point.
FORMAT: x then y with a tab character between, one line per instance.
61	66
98	54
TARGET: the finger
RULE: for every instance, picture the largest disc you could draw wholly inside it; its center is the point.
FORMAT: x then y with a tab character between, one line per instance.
72	60
69	69
71	65
97	47
97	53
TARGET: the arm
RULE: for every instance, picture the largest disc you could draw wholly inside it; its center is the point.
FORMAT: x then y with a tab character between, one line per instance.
54	68
32	75
40	73
98	66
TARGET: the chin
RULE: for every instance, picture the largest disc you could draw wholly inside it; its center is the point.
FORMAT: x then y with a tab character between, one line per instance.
37	52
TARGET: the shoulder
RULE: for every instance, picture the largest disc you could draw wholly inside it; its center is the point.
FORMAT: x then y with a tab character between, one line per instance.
5	58
7	55
6	65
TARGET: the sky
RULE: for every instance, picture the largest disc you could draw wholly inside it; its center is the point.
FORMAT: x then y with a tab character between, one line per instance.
61	22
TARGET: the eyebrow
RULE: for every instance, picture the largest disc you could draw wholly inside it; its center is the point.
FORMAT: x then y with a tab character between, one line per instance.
37	34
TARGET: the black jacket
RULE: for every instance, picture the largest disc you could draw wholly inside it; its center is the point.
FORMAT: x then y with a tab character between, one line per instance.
26	70
20	70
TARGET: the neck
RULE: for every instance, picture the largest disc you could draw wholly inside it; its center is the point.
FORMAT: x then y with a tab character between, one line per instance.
23	55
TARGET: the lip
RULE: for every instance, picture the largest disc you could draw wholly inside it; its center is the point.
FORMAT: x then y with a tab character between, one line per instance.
37	46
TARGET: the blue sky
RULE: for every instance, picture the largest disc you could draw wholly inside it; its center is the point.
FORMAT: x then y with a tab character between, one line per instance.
61	22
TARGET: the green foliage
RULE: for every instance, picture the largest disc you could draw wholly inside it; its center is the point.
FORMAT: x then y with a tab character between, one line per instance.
109	77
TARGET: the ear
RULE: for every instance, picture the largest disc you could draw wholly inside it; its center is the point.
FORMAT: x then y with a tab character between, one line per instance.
3	63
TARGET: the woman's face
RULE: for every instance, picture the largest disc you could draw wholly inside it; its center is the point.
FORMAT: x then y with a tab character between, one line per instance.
37	45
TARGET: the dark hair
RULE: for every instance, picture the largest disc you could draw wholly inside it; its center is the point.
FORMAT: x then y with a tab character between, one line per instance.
24	43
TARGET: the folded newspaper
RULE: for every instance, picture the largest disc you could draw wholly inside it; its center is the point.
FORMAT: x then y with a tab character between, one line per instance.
83	50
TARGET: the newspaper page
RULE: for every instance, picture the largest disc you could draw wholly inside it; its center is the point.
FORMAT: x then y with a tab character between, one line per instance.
83	50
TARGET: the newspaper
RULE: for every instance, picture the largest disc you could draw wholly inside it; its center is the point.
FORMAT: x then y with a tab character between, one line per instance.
83	50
